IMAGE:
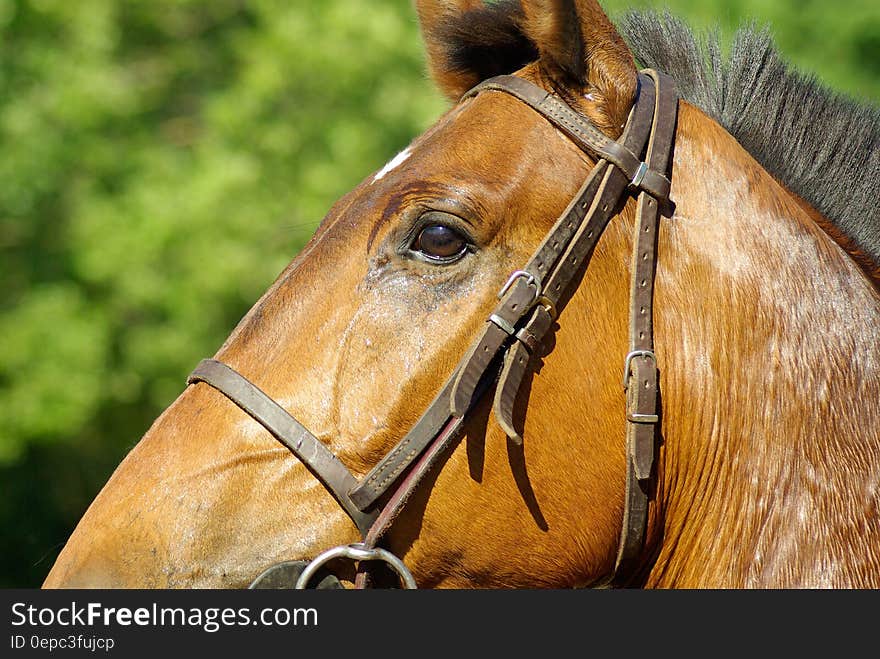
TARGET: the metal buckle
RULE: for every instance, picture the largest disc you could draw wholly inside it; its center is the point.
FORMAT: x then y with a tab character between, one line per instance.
635	417
648	354
530	279
357	552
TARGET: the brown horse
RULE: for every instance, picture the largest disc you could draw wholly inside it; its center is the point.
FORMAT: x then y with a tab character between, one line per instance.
765	318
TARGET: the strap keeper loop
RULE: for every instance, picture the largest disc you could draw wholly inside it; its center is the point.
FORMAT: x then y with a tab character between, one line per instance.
549	307
642	418
529	340
503	324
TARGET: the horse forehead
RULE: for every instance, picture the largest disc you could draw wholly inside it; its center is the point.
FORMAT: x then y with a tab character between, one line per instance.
493	129
481	138
478	151
471	158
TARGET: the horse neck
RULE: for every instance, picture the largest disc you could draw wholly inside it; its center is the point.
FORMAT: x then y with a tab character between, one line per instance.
766	334
869	266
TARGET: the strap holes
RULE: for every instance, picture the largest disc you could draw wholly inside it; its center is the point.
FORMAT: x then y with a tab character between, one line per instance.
557	286
645	256
641	335
555	244
485	348
643	283
642	311
590	233
513	307
605	207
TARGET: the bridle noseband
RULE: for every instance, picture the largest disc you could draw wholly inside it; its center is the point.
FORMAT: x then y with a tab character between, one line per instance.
529	305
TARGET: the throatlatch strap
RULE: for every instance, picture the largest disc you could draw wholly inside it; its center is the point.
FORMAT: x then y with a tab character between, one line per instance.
641	376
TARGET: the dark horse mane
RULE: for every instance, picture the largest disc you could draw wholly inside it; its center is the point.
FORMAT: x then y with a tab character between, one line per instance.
822	145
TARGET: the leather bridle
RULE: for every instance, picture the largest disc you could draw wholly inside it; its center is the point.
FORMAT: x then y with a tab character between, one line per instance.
529	303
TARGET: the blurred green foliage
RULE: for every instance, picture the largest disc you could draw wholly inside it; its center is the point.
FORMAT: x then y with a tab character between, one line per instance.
163	160
839	44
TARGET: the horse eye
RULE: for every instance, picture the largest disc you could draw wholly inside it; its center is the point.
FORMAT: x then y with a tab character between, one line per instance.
440	243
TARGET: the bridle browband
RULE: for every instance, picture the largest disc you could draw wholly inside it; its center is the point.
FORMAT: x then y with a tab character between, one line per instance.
529	304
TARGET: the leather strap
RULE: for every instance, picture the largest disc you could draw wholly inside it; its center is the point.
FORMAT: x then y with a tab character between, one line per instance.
659	122
579	129
431	424
516	364
304	445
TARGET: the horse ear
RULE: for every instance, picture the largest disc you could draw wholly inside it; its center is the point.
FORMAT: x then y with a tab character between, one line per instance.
582	51
468	41
579	48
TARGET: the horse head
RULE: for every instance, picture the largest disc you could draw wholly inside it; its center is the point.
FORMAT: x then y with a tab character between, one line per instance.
370	325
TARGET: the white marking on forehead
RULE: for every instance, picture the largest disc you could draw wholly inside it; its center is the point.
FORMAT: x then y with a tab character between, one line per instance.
395	162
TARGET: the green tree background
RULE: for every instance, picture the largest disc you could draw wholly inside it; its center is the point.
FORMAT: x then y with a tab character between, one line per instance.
163	160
